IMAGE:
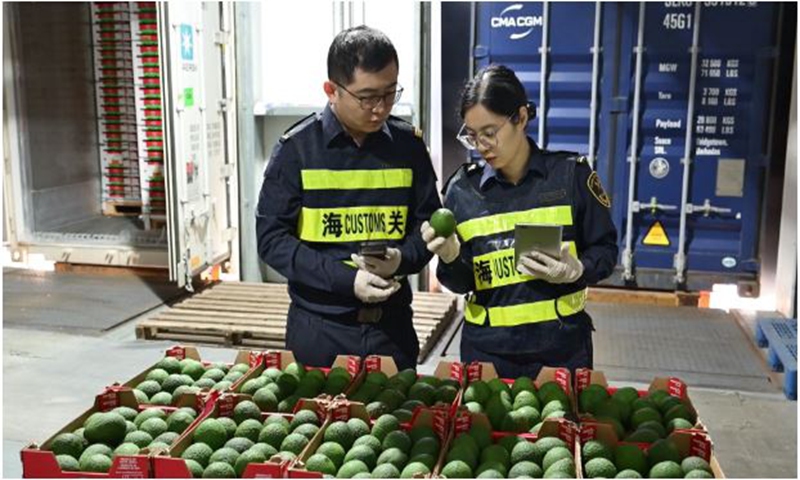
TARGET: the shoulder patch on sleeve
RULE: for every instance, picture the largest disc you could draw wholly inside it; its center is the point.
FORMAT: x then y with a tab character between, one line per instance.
596	189
296	127
404	126
467	168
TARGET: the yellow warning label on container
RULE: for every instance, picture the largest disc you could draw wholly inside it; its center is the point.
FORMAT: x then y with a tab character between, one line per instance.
656	236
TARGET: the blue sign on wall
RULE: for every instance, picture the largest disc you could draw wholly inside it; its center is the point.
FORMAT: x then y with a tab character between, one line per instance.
187	42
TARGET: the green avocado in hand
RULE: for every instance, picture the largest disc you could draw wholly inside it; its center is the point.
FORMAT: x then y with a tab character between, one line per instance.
443	222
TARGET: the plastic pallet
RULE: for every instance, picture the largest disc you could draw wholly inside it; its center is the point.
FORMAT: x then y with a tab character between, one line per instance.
780	338
761	339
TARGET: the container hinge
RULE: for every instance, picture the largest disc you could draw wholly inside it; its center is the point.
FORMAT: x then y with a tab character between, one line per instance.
229	234
221	38
694	49
638	49
187	272
633	159
706	209
228	170
480	51
223	104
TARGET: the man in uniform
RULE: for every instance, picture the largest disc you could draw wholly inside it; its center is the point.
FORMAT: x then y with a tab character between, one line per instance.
340	181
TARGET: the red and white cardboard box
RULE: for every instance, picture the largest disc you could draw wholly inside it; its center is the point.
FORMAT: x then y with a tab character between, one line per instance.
672	385
249	357
343	410
689	442
38	461
444	370
169	464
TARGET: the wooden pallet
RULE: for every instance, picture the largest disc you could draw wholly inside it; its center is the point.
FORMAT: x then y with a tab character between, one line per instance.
254	315
642	297
122	208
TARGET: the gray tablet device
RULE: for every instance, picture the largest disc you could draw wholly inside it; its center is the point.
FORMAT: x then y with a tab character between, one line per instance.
540	237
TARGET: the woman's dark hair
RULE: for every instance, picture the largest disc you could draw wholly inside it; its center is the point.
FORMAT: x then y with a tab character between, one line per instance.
498	89
363	47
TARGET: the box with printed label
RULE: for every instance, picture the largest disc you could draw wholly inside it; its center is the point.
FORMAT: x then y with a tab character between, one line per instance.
473	449
183	370
641	416
112	439
383	389
234	438
519	405
352	443
683	453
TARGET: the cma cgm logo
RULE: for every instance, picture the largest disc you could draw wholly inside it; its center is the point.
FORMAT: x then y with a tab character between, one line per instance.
510	18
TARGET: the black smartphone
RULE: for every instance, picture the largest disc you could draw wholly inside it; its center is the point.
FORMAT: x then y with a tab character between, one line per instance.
374	248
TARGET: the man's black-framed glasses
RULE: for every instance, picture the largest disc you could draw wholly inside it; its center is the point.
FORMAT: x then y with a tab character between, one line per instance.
371	101
487	138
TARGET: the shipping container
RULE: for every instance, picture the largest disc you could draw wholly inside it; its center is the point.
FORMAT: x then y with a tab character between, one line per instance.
120	133
689	88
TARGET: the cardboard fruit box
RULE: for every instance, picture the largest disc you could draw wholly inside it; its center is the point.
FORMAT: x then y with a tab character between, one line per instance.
251	358
554	427
40	462
281	359
169	464
344	410
689	443
444	370
674	386
561	376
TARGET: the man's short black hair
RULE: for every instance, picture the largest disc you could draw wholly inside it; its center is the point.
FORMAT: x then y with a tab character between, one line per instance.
363	47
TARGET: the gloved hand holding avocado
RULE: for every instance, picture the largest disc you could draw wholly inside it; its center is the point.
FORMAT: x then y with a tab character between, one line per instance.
440	237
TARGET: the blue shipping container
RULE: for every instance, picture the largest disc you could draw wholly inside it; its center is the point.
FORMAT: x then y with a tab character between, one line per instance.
686	86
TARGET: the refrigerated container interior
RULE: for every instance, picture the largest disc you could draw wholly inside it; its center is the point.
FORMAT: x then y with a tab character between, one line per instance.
53	116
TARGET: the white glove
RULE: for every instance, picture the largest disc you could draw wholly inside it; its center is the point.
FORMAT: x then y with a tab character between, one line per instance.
370	288
567	269
382	267
446	248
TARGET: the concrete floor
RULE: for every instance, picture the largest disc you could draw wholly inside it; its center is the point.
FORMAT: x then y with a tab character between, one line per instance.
51	377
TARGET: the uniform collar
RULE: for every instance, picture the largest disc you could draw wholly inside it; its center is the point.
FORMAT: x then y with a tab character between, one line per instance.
332	128
535	165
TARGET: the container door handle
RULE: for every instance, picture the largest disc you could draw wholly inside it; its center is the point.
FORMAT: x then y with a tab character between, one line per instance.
652	205
706	209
